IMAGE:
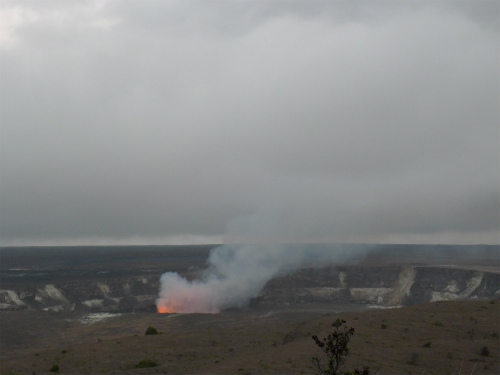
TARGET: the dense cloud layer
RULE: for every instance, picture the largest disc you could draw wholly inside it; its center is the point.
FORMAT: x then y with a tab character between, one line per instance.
292	121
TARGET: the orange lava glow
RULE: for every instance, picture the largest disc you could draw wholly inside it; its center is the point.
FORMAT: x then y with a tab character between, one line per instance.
164	310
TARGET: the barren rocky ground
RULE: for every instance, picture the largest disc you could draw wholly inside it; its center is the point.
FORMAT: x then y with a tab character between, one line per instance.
271	336
433	338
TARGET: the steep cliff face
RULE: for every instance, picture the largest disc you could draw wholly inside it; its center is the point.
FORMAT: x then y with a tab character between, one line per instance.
437	284
383	286
111	295
380	286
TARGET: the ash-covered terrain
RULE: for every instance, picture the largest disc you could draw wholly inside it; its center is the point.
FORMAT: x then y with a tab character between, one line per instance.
127	279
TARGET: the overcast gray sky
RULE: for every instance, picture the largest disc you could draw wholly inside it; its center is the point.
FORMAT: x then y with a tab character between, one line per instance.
148	122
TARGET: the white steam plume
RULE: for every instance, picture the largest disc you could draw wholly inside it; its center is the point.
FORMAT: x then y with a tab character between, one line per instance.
235	274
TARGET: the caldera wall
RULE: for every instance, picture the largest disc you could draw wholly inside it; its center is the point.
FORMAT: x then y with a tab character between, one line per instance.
381	286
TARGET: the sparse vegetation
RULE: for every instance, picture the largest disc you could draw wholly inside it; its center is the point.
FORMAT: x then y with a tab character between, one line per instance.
485	352
186	348
146	363
427	344
54	368
151	331
334	346
263	365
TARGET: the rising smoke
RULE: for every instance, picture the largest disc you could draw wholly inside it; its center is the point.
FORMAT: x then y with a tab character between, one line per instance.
235	274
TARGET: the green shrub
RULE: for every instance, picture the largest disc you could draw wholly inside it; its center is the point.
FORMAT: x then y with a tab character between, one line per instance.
485	351
335	347
151	331
145	363
427	344
54	368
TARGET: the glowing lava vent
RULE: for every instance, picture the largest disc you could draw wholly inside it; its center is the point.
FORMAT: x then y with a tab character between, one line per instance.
181	296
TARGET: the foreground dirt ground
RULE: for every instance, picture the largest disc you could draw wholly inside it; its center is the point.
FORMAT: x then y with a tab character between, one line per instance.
435	338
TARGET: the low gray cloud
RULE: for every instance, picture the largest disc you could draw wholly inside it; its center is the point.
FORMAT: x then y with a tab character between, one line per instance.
297	121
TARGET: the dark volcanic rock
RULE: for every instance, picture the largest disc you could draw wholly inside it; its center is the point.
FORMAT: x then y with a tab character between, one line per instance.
127	279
